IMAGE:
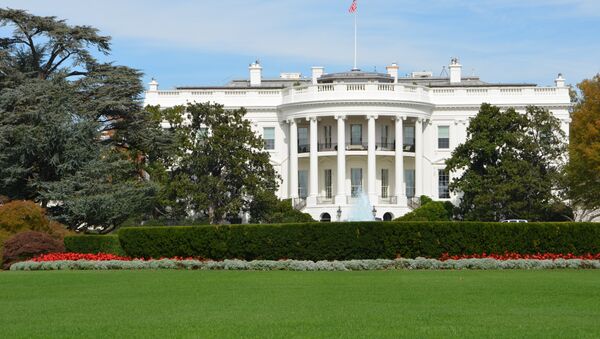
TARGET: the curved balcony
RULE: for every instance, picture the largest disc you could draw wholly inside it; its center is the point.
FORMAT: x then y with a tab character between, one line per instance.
350	91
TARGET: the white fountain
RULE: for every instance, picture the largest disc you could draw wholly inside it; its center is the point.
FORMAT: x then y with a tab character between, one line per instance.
361	209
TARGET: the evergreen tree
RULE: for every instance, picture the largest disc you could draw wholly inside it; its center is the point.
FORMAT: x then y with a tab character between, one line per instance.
63	113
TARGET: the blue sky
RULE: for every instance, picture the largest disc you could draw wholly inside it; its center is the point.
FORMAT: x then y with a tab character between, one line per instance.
204	42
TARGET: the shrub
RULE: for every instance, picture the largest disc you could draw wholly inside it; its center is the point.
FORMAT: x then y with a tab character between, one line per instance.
94	244
430	211
18	216
359	240
27	245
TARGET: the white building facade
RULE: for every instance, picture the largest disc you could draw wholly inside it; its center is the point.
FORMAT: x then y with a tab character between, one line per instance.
335	137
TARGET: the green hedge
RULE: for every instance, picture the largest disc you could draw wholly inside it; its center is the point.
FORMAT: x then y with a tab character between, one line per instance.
358	240
94	244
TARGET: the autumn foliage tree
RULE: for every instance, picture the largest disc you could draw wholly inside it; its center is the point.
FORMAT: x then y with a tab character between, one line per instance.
583	170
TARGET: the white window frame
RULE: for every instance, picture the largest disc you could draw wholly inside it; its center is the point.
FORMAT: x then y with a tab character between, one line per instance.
437	139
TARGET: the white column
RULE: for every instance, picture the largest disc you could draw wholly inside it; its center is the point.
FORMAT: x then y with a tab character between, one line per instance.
399	190
340	195
419	157
313	184
372	162
293	159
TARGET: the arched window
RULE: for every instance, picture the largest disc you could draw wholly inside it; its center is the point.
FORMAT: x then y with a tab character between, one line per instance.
325	217
388	216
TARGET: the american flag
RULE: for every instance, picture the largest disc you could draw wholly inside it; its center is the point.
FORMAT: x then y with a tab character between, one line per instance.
353	7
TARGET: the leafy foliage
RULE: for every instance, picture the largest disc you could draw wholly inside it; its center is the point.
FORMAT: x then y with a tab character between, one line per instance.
358	240
18	216
266	208
510	165
583	170
216	166
70	126
93	244
27	245
430	211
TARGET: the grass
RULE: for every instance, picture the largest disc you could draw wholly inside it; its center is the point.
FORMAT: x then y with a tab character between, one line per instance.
230	304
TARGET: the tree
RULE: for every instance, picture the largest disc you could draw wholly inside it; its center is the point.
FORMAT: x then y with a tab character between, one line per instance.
63	114
583	169
217	165
510	165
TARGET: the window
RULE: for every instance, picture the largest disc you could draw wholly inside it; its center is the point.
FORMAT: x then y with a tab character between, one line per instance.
328	189
303	184
444	137
202	134
384	136
269	136
409	138
355	181
385	183
303	140
327	141
356	135
443	181
409	179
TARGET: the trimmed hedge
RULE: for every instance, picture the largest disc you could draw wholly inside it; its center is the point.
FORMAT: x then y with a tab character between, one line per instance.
94	244
358	240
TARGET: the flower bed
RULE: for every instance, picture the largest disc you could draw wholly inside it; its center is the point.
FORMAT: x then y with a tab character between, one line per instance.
79	256
301	265
105	261
516	256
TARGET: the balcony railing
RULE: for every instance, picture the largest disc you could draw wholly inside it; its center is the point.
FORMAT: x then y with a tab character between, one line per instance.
386	146
324	199
303	148
356	147
393	200
413	203
299	203
327	146
409	148
332	147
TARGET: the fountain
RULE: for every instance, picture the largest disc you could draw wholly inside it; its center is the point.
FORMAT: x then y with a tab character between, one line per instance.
361	209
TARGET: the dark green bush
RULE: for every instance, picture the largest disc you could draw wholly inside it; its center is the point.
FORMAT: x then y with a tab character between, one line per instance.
94	244
359	240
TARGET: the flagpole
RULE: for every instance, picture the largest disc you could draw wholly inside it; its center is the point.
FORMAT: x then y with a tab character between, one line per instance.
355	39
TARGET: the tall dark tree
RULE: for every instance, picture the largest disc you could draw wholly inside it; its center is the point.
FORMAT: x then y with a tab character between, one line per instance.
218	164
510	165
62	110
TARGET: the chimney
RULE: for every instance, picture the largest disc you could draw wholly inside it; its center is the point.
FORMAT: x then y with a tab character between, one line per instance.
317	72
393	71
153	86
559	81
255	73
455	71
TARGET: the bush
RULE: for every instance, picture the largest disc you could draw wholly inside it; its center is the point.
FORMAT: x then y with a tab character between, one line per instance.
18	216
27	245
430	211
358	240
93	244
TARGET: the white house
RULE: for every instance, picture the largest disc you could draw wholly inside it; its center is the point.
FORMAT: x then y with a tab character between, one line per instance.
335	135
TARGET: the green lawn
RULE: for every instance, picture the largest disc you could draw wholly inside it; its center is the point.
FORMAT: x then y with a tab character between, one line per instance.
383	304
